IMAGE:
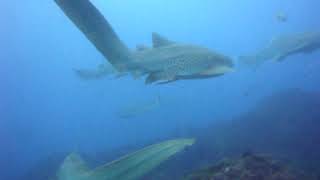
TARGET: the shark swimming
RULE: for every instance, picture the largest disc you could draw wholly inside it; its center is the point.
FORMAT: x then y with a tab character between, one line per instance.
167	61
130	167
283	46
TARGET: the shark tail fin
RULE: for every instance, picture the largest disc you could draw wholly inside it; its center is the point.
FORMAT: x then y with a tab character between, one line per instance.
135	165
98	30
73	166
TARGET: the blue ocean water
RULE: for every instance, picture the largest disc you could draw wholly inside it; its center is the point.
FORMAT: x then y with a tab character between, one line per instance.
45	108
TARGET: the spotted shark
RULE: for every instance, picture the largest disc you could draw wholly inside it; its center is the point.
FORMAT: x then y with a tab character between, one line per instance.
130	167
283	46
167	61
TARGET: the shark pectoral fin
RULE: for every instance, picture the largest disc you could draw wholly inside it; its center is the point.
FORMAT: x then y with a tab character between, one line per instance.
133	166
166	82
101	71
218	70
159	41
282	56
304	47
119	75
164	77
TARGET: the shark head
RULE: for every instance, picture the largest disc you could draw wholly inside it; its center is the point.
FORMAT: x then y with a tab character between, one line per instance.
170	61
217	65
184	62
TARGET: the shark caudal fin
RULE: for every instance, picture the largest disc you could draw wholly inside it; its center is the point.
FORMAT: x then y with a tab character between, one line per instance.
73	167
98	30
137	164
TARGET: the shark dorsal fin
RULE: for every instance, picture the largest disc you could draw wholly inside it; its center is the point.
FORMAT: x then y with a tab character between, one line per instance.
72	167
160	41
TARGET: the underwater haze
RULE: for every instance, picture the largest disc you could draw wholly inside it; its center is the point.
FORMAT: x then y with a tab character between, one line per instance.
46	108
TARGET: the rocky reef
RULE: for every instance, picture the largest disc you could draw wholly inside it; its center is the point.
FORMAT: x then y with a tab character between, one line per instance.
249	167
284	125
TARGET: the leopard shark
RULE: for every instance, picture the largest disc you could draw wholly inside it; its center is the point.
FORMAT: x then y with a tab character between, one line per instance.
284	46
129	167
167	61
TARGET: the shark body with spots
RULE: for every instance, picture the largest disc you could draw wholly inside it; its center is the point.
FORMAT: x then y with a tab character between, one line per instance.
166	62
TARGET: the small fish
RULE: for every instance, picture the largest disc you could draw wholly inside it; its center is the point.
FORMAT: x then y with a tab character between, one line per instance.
282	17
246	94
